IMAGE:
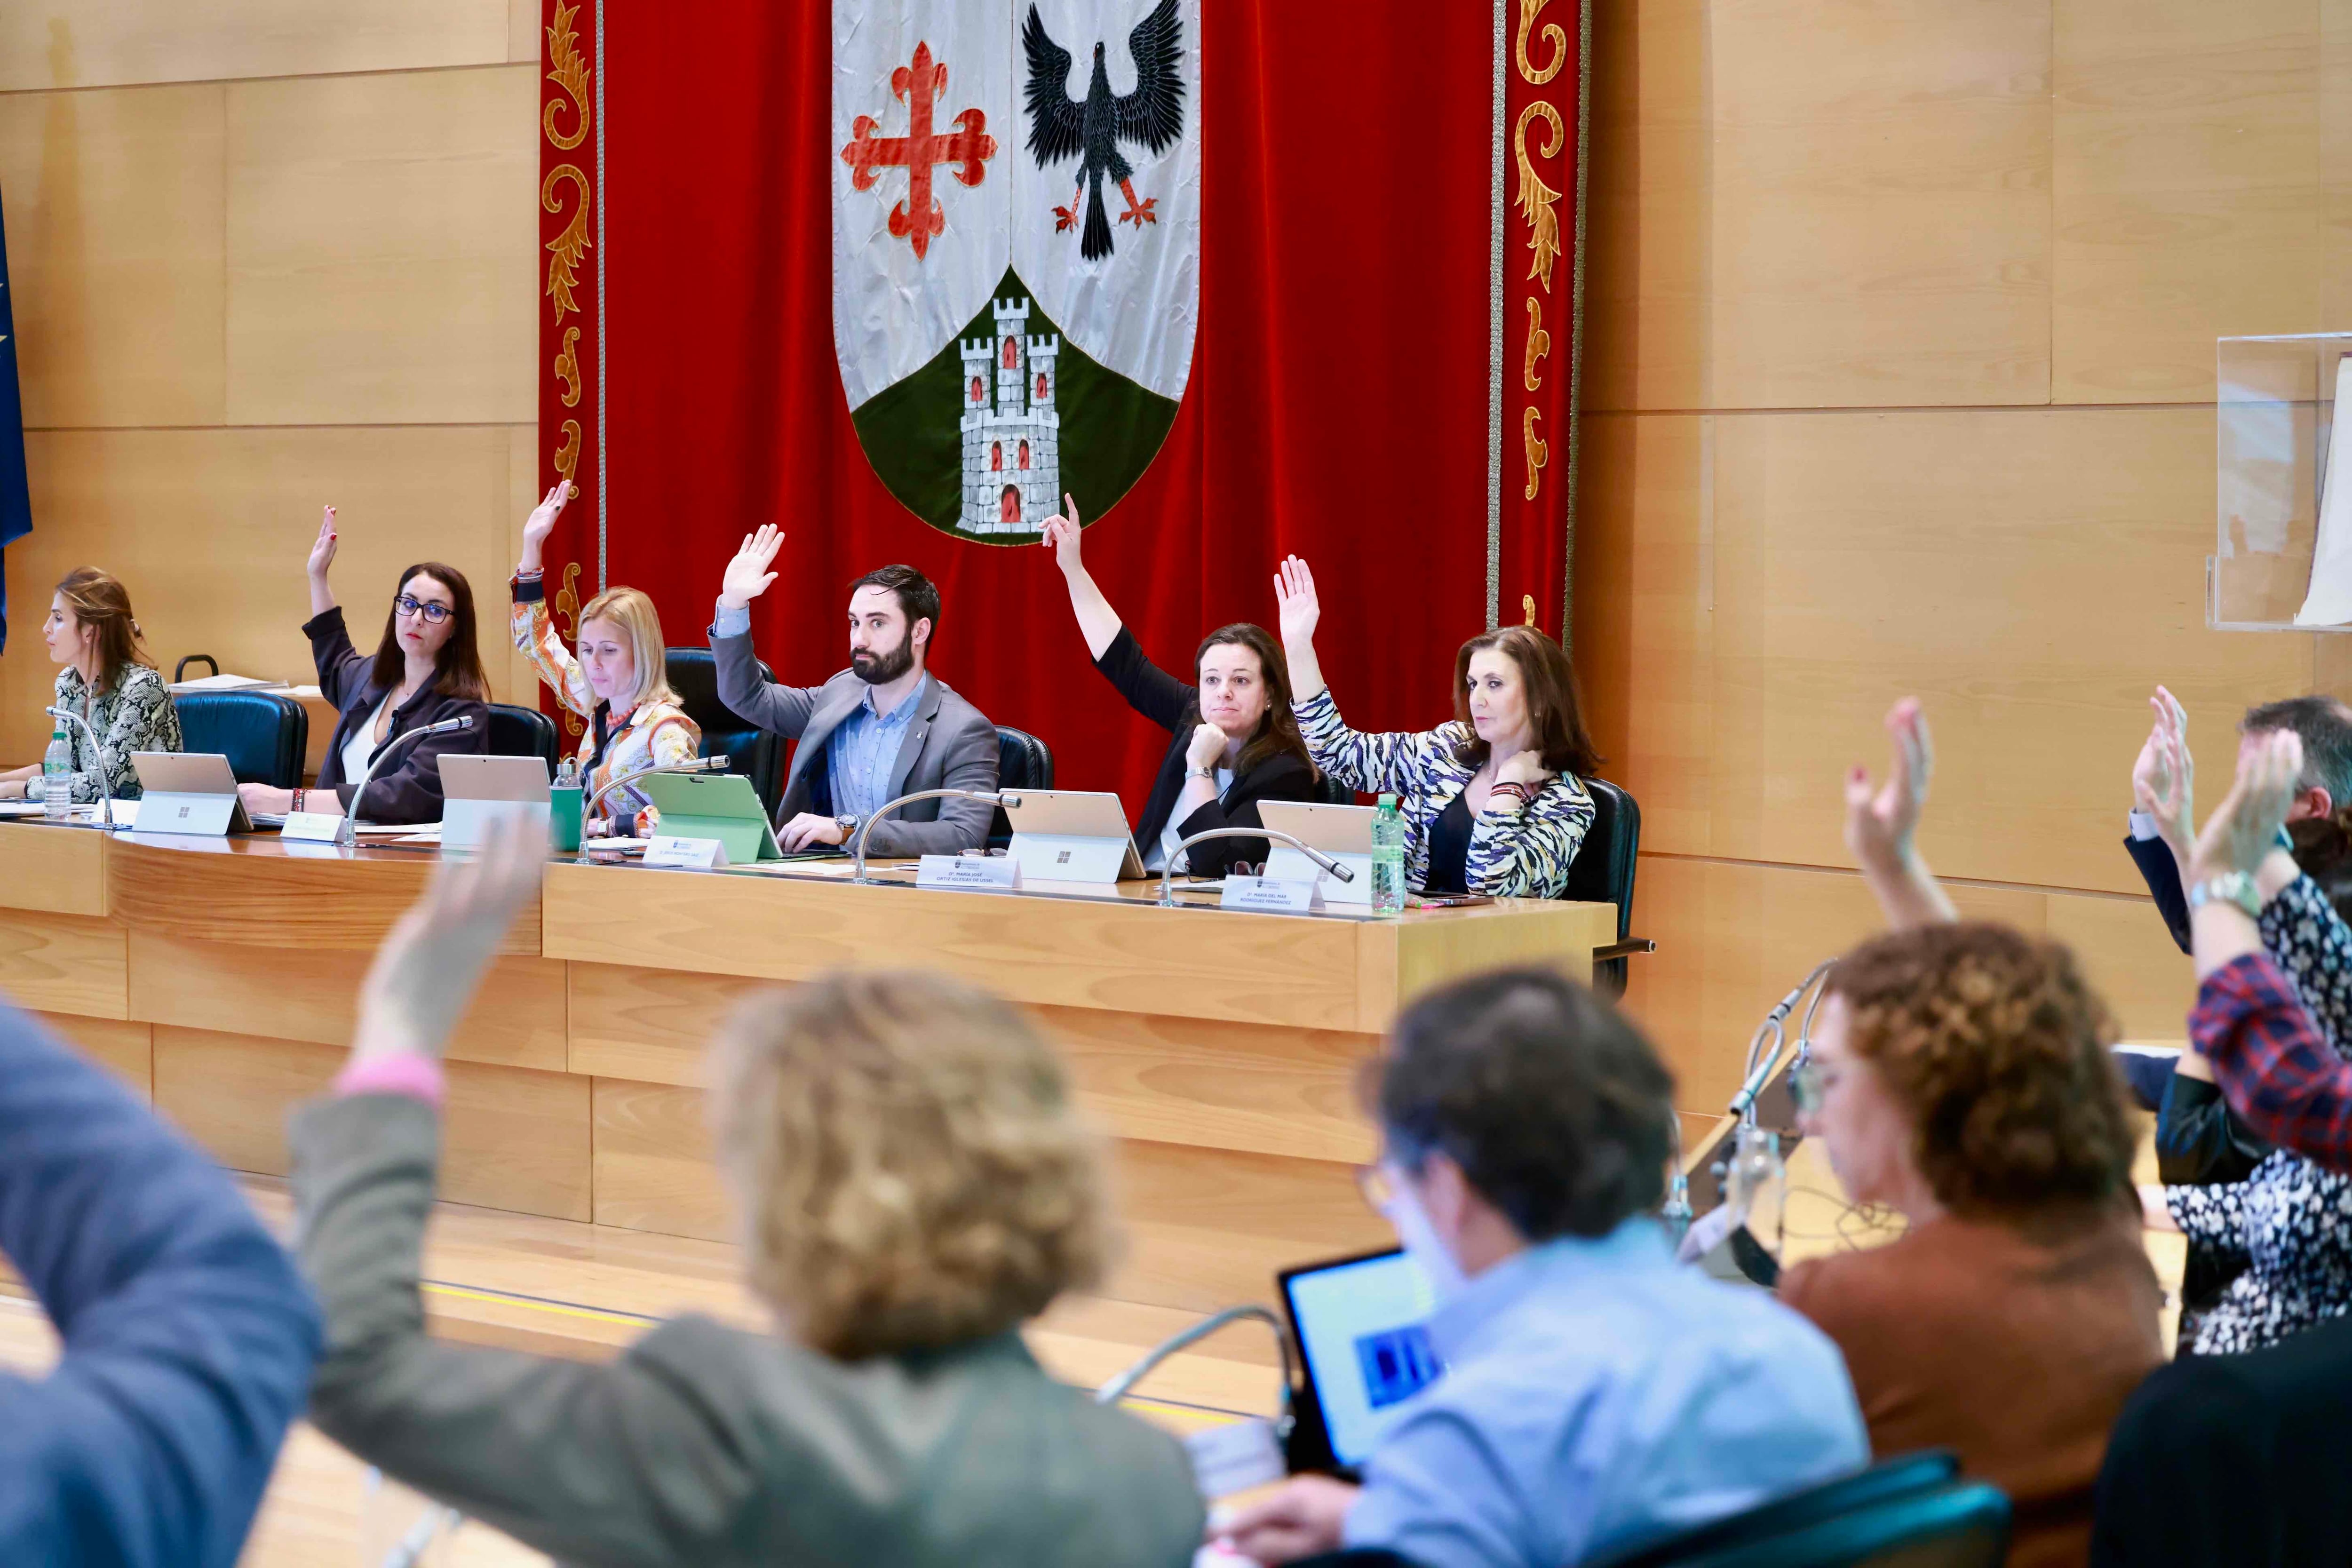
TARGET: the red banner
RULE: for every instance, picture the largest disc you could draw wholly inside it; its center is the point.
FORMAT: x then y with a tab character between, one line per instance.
1341	405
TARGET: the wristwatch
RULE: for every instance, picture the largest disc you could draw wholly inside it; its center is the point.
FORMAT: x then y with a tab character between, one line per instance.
848	825
2229	887
1208	774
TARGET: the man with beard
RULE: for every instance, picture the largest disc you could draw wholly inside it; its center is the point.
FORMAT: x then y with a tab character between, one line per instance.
882	727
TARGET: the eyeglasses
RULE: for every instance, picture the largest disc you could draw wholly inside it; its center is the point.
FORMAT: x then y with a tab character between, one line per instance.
1808	1086
434	613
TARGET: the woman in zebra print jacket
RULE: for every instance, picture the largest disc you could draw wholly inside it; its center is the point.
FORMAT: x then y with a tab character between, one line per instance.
1493	802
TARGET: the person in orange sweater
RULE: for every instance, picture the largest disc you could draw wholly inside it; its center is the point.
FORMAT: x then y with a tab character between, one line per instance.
1959	1074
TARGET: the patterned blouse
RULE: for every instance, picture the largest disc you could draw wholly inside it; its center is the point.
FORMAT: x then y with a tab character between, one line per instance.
135	714
1515	851
650	734
2289	1223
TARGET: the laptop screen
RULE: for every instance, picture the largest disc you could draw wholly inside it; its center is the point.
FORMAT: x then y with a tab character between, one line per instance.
1359	1326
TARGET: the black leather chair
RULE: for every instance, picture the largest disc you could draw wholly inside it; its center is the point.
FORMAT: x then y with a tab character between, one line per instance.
263	734
1603	872
1901	1476
524	733
753	752
1022	761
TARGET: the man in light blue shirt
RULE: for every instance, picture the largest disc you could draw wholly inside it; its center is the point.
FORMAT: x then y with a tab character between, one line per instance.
1596	1394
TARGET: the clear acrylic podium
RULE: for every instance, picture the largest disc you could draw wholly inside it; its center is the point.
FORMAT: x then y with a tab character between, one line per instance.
2282	556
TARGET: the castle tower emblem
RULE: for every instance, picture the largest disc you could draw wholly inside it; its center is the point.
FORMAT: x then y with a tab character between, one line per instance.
1012	434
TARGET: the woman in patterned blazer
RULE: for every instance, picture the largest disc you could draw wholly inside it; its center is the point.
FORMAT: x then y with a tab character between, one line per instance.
108	679
1493	802
619	684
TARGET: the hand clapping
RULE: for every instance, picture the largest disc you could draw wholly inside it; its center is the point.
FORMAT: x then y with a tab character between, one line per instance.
2164	778
747	575
2244	827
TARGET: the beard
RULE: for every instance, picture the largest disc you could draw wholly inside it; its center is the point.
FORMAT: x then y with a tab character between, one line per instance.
882	669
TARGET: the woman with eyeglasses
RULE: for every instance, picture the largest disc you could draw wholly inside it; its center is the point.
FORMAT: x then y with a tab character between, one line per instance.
427	669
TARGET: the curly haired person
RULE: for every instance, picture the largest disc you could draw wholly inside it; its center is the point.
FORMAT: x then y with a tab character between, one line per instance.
1959	1074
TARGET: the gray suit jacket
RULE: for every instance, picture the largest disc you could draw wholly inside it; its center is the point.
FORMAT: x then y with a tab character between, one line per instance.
950	745
706	1446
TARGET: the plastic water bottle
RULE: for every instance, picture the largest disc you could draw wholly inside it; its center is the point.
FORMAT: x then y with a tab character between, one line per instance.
563	803
1388	859
57	776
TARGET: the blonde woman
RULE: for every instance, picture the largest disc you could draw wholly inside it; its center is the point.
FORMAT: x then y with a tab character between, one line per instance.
913	1184
108	679
619	684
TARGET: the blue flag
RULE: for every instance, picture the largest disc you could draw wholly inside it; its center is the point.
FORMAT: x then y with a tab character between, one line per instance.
15	499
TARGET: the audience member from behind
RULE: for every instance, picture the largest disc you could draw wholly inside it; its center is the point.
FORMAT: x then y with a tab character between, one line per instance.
1234	739
108	679
884	727
1597	1394
1960	1075
915	1183
618	686
186	1334
427	668
1491	802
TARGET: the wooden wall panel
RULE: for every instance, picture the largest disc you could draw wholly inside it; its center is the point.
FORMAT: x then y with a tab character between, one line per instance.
64	963
382	239
517	1020
2187	191
109	43
1881	203
2028	573
210	529
114	251
1208	1227
513	1139
53	870
127	1050
653	1162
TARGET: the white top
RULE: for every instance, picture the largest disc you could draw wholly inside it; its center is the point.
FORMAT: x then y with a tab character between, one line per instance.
360	747
1173	834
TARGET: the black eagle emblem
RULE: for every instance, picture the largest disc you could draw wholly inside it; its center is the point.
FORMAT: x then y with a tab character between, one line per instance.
1061	127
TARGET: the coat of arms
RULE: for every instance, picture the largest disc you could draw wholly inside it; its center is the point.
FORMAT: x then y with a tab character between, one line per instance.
1016	248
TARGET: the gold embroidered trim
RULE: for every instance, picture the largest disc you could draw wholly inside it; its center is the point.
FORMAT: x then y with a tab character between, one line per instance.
1539	345
1536	199
571	74
1537	453
571	245
567	366
567	455
1552	34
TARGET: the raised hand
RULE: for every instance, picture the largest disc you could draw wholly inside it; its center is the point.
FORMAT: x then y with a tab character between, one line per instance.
322	549
1062	531
2244	827
747	575
541	521
2164	778
426	971
1300	608
1881	823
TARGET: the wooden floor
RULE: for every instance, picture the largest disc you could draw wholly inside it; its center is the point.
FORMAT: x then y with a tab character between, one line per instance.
561	1287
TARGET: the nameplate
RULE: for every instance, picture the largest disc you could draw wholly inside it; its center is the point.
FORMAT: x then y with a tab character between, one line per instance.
696	854
312	827
977	871
1269	896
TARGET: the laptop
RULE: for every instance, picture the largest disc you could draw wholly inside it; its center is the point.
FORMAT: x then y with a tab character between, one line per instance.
1072	836
1342	832
723	807
188	793
1363	1345
478	790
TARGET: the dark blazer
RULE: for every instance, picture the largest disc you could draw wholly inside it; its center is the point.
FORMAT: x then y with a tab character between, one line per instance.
2162	874
702	1443
1174	706
410	789
950	745
188	1336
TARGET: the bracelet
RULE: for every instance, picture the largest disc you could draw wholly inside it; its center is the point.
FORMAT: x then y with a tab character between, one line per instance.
1208	773
300	795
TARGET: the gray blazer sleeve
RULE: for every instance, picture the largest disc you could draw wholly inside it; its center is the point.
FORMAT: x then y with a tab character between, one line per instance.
772	706
967	751
605	1465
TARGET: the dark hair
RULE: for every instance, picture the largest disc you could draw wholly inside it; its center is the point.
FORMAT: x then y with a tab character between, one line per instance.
2324	726
1278	727
2323	847
100	601
457	668
1996	1047
918	596
1548	687
1549	1100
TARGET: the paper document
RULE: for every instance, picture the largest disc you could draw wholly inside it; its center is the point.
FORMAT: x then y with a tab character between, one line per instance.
2329	600
229	683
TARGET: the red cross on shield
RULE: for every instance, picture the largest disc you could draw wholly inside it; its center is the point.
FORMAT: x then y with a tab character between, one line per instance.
919	86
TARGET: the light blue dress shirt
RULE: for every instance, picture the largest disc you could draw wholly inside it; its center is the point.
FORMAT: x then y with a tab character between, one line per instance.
860	751
1597	1396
